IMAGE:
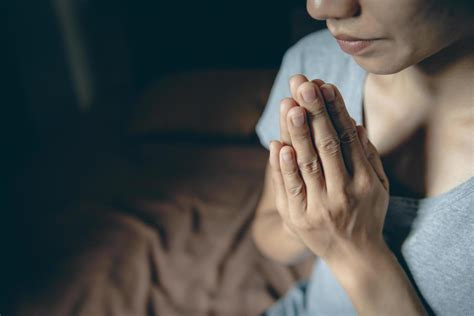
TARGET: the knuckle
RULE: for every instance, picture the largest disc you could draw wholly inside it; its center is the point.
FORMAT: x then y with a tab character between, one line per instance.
316	219
335	215
371	155
301	135
348	135
330	145
344	199
296	190
364	183
290	172
311	167
335	110
346	202
318	110
339	218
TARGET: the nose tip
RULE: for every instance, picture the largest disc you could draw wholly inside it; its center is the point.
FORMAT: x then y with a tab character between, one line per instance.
332	9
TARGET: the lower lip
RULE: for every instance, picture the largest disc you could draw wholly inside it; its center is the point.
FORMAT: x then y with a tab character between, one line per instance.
354	47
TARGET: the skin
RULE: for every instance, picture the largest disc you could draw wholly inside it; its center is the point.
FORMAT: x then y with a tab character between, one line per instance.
330	197
419	84
397	26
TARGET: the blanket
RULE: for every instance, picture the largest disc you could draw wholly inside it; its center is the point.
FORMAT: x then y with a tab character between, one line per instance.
162	229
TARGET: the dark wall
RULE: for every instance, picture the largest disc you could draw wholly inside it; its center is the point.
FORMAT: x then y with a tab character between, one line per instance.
177	35
130	44
17	140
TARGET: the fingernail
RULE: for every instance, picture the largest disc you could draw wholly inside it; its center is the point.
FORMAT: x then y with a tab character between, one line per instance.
328	93
286	155
298	119
309	94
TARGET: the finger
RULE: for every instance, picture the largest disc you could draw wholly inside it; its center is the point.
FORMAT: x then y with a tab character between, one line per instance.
306	155
277	179
376	162
294	186
318	82
285	105
362	136
354	155
372	156
325	136
295	82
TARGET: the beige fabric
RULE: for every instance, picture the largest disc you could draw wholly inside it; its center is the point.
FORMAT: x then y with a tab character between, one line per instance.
163	231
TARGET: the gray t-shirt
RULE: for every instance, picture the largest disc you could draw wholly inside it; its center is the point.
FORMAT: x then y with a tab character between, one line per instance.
431	237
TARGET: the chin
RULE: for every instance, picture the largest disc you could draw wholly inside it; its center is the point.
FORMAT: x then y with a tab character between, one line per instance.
381	65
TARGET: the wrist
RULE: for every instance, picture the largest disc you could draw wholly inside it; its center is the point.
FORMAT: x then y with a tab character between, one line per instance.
352	255
356	267
376	283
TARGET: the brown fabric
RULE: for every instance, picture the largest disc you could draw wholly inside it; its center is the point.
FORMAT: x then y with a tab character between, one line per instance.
164	231
227	102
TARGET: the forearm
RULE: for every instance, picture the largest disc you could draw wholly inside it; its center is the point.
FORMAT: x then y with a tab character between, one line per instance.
377	284
276	242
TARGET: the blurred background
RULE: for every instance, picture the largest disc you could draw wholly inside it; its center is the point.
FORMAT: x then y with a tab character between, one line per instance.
130	166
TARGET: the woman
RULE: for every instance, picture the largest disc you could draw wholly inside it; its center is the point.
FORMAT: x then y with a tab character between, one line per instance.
373	169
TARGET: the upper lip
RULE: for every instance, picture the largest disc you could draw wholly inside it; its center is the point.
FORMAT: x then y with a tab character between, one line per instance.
344	37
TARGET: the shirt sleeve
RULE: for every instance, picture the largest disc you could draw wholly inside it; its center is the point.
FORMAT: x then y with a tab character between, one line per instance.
268	126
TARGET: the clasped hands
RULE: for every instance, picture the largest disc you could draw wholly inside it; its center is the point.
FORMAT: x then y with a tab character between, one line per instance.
331	189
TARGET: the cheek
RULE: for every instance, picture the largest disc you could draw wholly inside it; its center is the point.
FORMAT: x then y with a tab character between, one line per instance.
421	38
392	55
388	56
410	35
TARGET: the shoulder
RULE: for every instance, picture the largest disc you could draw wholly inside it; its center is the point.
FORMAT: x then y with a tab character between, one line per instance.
319	41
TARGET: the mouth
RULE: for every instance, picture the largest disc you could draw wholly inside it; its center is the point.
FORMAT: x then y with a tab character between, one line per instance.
353	45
